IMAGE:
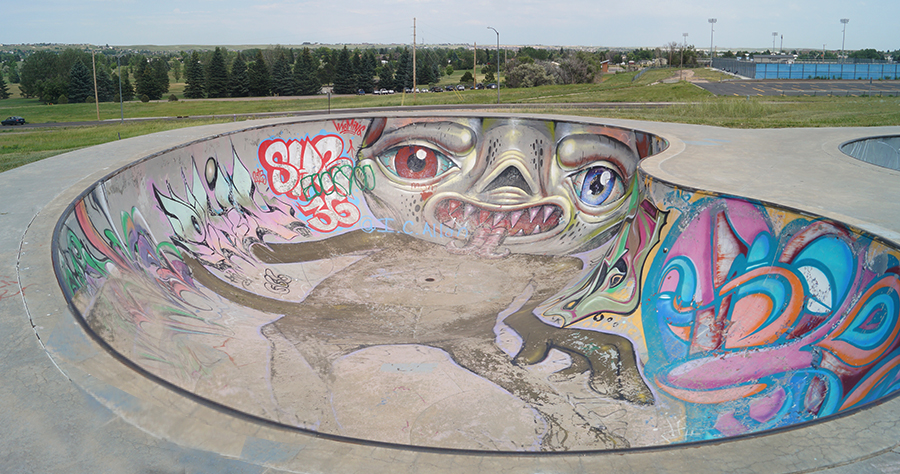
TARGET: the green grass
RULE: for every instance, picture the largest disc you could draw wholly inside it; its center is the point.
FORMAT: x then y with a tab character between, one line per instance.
689	104
19	148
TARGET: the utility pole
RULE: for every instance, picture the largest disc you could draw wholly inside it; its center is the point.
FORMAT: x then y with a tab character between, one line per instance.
96	95
414	58
121	100
475	68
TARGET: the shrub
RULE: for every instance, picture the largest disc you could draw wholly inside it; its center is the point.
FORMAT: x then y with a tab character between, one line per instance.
144	98
172	98
62	99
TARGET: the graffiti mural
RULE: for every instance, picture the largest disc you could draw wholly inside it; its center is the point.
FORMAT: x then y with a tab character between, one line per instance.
488	283
759	319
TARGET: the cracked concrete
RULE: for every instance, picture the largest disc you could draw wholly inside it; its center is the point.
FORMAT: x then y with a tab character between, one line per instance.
68	406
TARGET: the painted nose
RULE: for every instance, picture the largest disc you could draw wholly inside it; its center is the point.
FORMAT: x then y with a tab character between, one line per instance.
510	177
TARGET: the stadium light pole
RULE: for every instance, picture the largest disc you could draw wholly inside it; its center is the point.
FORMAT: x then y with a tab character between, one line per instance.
774	37
498	62
683	46
712	23
844	34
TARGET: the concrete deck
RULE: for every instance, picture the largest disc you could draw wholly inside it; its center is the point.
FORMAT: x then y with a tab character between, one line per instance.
68	406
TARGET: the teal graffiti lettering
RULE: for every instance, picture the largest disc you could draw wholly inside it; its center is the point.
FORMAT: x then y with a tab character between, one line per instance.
337	179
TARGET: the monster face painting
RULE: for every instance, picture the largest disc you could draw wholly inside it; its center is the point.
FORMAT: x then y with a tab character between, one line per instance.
486	283
502	185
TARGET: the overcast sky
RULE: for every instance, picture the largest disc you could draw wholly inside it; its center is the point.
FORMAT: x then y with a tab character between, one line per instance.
741	24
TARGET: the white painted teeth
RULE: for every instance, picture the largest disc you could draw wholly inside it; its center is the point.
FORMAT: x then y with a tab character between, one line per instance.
514	218
537	230
548	211
498	217
533	212
468	211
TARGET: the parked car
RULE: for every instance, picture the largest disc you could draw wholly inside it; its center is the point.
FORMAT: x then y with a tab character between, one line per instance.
14	121
479	86
460	87
492	86
448	88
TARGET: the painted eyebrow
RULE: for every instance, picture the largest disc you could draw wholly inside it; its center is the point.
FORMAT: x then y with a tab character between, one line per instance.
576	151
452	137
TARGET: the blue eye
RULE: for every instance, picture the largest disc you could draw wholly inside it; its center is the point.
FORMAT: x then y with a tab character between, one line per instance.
416	162
598	185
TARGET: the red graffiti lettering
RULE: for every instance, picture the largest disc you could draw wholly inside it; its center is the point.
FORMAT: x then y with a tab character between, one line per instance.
349	126
309	171
259	177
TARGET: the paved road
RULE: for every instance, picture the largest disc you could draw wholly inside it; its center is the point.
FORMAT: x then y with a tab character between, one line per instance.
802	88
401	108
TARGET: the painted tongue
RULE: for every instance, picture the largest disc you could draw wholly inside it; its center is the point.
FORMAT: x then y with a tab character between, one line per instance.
485	242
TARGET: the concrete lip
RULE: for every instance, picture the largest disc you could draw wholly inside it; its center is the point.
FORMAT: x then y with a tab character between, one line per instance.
246	411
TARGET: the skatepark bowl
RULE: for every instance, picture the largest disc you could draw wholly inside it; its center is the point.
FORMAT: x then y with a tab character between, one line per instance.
474	284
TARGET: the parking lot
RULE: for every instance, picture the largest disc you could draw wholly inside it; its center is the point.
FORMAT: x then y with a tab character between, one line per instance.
803	88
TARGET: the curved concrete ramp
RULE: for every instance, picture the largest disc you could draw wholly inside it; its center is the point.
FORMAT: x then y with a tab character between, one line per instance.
375	291
881	151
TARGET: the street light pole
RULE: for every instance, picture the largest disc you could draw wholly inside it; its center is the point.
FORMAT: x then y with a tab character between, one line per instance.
844	34
498	63
712	23
683	46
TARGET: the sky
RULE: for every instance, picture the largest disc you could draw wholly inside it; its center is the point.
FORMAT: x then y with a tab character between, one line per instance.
741	24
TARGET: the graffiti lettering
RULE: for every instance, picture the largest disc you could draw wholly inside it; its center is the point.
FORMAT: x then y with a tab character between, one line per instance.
349	126
338	179
259	177
319	173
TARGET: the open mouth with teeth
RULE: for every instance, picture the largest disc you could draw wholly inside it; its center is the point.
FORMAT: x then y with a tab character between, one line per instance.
532	220
489	228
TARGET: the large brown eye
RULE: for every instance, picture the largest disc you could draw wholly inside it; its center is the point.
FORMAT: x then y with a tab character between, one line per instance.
416	162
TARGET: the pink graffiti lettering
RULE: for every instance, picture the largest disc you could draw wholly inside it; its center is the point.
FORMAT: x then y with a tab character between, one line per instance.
349	126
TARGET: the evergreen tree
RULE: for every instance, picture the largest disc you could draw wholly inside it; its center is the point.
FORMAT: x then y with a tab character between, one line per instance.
127	88
386	77
260	84
217	75
14	73
282	79
238	80
404	77
327	58
306	79
81	84
194	82
4	92
344	79
160	69
106	90
365	75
